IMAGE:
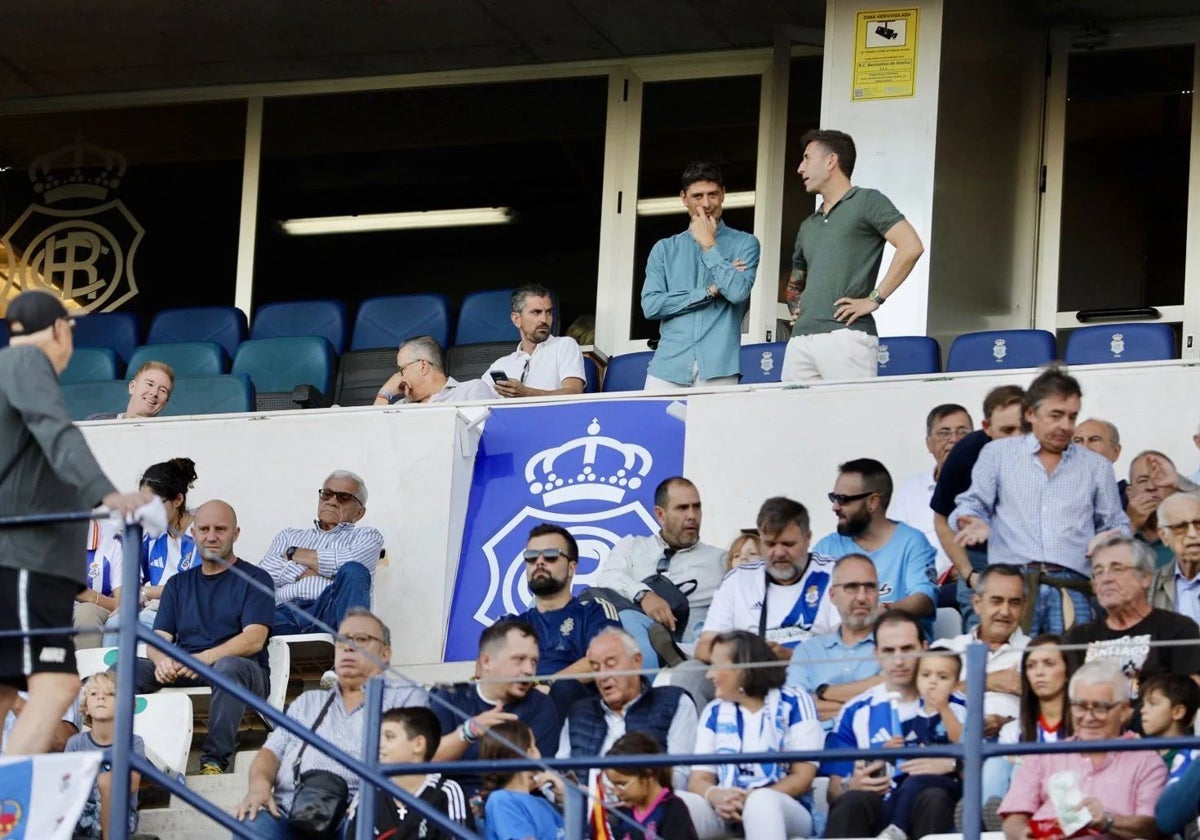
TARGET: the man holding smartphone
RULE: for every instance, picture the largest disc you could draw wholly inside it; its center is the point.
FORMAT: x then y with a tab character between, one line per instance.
543	364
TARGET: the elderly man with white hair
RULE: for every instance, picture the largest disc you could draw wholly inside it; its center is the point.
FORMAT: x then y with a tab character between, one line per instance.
328	568
1119	789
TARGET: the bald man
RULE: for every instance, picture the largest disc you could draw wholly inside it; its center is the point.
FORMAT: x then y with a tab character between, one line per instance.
220	612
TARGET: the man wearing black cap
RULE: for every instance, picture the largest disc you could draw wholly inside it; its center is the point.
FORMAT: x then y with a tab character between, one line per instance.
45	467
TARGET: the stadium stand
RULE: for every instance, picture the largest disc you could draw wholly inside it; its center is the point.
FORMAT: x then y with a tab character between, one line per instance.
118	331
87	398
627	372
762	362
387	321
470	361
226	394
186	358
226	325
276	366
1116	343
1001	349
484	318
3	332
591	374
289	319
90	364
909	354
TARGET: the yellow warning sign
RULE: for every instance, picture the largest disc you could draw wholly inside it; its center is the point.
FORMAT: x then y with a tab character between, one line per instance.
885	54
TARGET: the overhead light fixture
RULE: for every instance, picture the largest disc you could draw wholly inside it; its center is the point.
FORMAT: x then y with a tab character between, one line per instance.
673	204
469	217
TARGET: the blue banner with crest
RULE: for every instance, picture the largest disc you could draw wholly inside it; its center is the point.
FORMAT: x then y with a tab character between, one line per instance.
590	467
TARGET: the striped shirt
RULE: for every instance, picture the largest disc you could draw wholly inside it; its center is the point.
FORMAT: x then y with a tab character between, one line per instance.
1035	517
344	543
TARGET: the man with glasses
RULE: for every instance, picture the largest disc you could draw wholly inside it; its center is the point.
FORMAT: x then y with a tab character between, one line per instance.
420	377
901	554
945	426
1120	789
543	364
45	468
565	626
363	649
1176	586
835	667
1122	568
323	571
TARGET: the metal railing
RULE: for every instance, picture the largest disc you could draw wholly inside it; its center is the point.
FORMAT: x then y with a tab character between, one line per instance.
972	750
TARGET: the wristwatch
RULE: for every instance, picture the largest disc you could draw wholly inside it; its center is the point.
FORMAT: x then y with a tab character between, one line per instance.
290	553
1109	819
876	297
637	599
820	692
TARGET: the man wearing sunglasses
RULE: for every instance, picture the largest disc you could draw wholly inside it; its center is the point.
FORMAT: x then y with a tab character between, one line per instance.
901	554
565	626
324	570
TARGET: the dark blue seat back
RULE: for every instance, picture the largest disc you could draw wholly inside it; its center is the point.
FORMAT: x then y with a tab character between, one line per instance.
226	394
484	317
902	355
87	398
1109	343
277	365
225	325
326	318
186	358
1001	349
90	364
117	331
3	332
387	321
627	372
591	376
762	362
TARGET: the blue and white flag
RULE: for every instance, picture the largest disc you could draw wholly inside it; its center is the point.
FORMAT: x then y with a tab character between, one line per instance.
590	467
41	797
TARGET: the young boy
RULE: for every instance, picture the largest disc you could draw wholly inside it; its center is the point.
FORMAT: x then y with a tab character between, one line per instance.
1169	703
939	721
99	709
410	735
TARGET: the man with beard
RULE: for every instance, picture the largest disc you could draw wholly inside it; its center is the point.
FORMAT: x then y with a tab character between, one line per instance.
784	597
837	666
1043	503
903	558
564	625
543	364
677	554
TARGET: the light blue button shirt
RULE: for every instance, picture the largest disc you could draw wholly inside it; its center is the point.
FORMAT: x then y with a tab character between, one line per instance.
827	660
698	332
1187	595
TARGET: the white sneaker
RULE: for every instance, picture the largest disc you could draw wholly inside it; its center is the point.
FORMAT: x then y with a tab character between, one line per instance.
892	833
329	679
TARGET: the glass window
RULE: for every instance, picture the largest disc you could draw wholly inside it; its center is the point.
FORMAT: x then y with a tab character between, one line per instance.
133	209
534	147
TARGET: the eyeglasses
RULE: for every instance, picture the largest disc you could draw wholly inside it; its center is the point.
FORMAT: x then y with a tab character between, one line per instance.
358	640
1100	710
1114	569
1179	529
621	785
400	368
531	555
854	588
326	494
845	499
946	434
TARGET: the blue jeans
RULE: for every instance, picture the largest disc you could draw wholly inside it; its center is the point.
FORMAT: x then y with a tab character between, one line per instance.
224	710
351	587
997	776
979	562
113	625
268	827
637	624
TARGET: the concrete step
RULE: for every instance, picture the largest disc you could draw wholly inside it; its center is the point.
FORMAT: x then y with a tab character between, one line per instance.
179	824
224	791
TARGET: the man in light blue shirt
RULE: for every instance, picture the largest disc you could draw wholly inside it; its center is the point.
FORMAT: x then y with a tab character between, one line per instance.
1042	502
698	288
835	667
903	558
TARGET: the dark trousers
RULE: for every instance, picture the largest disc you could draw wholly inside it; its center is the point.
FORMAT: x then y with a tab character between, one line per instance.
857	813
224	711
351	587
902	810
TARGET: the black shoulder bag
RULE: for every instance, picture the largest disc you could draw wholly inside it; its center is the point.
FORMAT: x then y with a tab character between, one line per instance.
321	796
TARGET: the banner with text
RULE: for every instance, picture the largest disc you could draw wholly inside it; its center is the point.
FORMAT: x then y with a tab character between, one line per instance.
590	467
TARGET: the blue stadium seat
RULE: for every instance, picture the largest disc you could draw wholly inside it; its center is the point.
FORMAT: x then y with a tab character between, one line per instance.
277	365
387	321
908	354
591	376
117	331
1000	350
484	317
627	372
90	364
1109	343
3	332
186	358
87	398
225	325
210	395
762	362
326	318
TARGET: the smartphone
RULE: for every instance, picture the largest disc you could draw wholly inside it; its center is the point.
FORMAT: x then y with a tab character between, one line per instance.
498	375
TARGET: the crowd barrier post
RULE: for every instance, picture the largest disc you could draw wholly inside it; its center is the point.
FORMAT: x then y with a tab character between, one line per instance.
118	812
972	741
366	791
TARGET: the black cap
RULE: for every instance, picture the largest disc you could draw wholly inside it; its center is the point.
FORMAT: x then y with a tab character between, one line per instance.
33	311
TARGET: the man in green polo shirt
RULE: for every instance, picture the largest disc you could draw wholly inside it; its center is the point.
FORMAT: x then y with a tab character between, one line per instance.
839	248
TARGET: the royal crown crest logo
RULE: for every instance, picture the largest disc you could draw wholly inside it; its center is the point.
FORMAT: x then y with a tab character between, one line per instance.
1117	345
1000	350
79	242
884	355
767	362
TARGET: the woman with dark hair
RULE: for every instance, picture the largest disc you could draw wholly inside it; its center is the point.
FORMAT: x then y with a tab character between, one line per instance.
172	551
511	810
647	800
755	713
1045	673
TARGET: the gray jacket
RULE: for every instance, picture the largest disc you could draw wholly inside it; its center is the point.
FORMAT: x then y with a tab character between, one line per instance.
45	467
1162	587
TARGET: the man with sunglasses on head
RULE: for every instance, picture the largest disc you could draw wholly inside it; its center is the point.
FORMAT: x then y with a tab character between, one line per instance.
565	626
328	568
902	556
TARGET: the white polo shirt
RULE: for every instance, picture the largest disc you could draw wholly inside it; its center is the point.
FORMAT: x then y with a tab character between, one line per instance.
1008	655
555	359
